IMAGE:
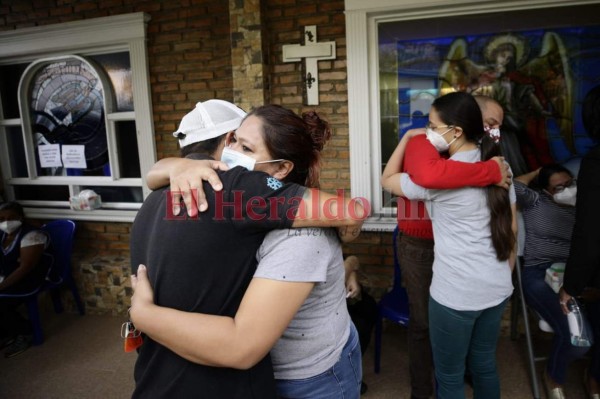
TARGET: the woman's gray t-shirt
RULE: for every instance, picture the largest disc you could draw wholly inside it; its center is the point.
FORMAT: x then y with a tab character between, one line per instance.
314	339
466	273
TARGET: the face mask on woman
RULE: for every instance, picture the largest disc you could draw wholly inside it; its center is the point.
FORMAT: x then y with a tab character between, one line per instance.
437	140
568	196
10	226
234	158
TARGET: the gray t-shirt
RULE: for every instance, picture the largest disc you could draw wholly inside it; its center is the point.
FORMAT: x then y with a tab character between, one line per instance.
466	273
314	339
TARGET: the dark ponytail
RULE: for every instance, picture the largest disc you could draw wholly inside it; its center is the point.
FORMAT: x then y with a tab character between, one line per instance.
461	109
320	133
498	201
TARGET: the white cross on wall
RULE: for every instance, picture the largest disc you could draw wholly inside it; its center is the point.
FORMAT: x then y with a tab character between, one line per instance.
312	52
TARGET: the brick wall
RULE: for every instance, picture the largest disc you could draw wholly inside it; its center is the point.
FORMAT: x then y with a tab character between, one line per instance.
189	50
285	22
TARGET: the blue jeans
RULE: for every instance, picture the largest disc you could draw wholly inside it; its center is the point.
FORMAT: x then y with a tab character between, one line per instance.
541	298
465	337
341	381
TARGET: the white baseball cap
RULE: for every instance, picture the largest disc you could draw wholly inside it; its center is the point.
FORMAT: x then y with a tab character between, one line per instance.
210	119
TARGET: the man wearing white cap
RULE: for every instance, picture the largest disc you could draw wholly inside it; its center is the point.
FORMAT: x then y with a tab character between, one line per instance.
203	264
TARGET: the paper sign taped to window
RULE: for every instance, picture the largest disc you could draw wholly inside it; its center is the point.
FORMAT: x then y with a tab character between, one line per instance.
73	156
49	155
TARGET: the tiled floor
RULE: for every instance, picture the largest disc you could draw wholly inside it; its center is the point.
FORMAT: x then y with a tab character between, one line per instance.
83	357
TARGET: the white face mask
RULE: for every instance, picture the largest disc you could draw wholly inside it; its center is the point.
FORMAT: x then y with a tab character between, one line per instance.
568	196
437	140
10	226
234	158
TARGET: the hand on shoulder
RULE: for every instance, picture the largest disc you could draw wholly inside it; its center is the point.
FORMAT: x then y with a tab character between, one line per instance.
415	132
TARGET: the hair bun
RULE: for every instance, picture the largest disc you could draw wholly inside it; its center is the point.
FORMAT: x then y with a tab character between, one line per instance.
319	129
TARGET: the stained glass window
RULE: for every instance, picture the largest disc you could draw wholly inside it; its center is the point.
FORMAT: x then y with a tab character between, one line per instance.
73	120
537	64
67	108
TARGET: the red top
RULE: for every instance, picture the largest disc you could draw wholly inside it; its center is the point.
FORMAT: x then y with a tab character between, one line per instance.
428	168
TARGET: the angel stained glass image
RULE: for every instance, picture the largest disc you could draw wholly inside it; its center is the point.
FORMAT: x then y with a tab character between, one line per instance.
533	84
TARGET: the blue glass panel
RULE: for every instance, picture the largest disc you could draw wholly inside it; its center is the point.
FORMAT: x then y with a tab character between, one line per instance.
67	107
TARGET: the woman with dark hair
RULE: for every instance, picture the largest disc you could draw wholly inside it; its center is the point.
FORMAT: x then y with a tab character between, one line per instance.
24	263
582	272
548	217
474	232
295	305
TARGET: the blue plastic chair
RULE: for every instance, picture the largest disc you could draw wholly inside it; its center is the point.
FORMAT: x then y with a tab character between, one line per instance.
61	234
392	305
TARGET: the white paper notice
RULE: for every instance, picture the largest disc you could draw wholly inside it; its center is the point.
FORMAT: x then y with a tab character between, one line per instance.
49	155
73	156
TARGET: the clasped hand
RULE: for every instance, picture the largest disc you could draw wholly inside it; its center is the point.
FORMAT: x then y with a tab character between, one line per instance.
143	295
186	179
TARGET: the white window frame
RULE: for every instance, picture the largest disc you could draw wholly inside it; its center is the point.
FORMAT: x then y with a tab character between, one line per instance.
362	20
125	32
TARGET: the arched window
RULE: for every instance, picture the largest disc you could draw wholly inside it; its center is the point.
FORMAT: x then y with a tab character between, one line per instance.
64	102
75	114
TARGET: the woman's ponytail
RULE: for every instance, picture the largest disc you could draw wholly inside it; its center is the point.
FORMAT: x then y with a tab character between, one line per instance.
498	201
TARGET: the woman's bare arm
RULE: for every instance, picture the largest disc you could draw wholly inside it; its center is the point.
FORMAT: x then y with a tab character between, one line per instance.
390	178
238	342
527	178
29	258
317	208
321	209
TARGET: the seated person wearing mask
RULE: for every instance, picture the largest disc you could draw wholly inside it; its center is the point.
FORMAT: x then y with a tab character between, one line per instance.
24	263
549	217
